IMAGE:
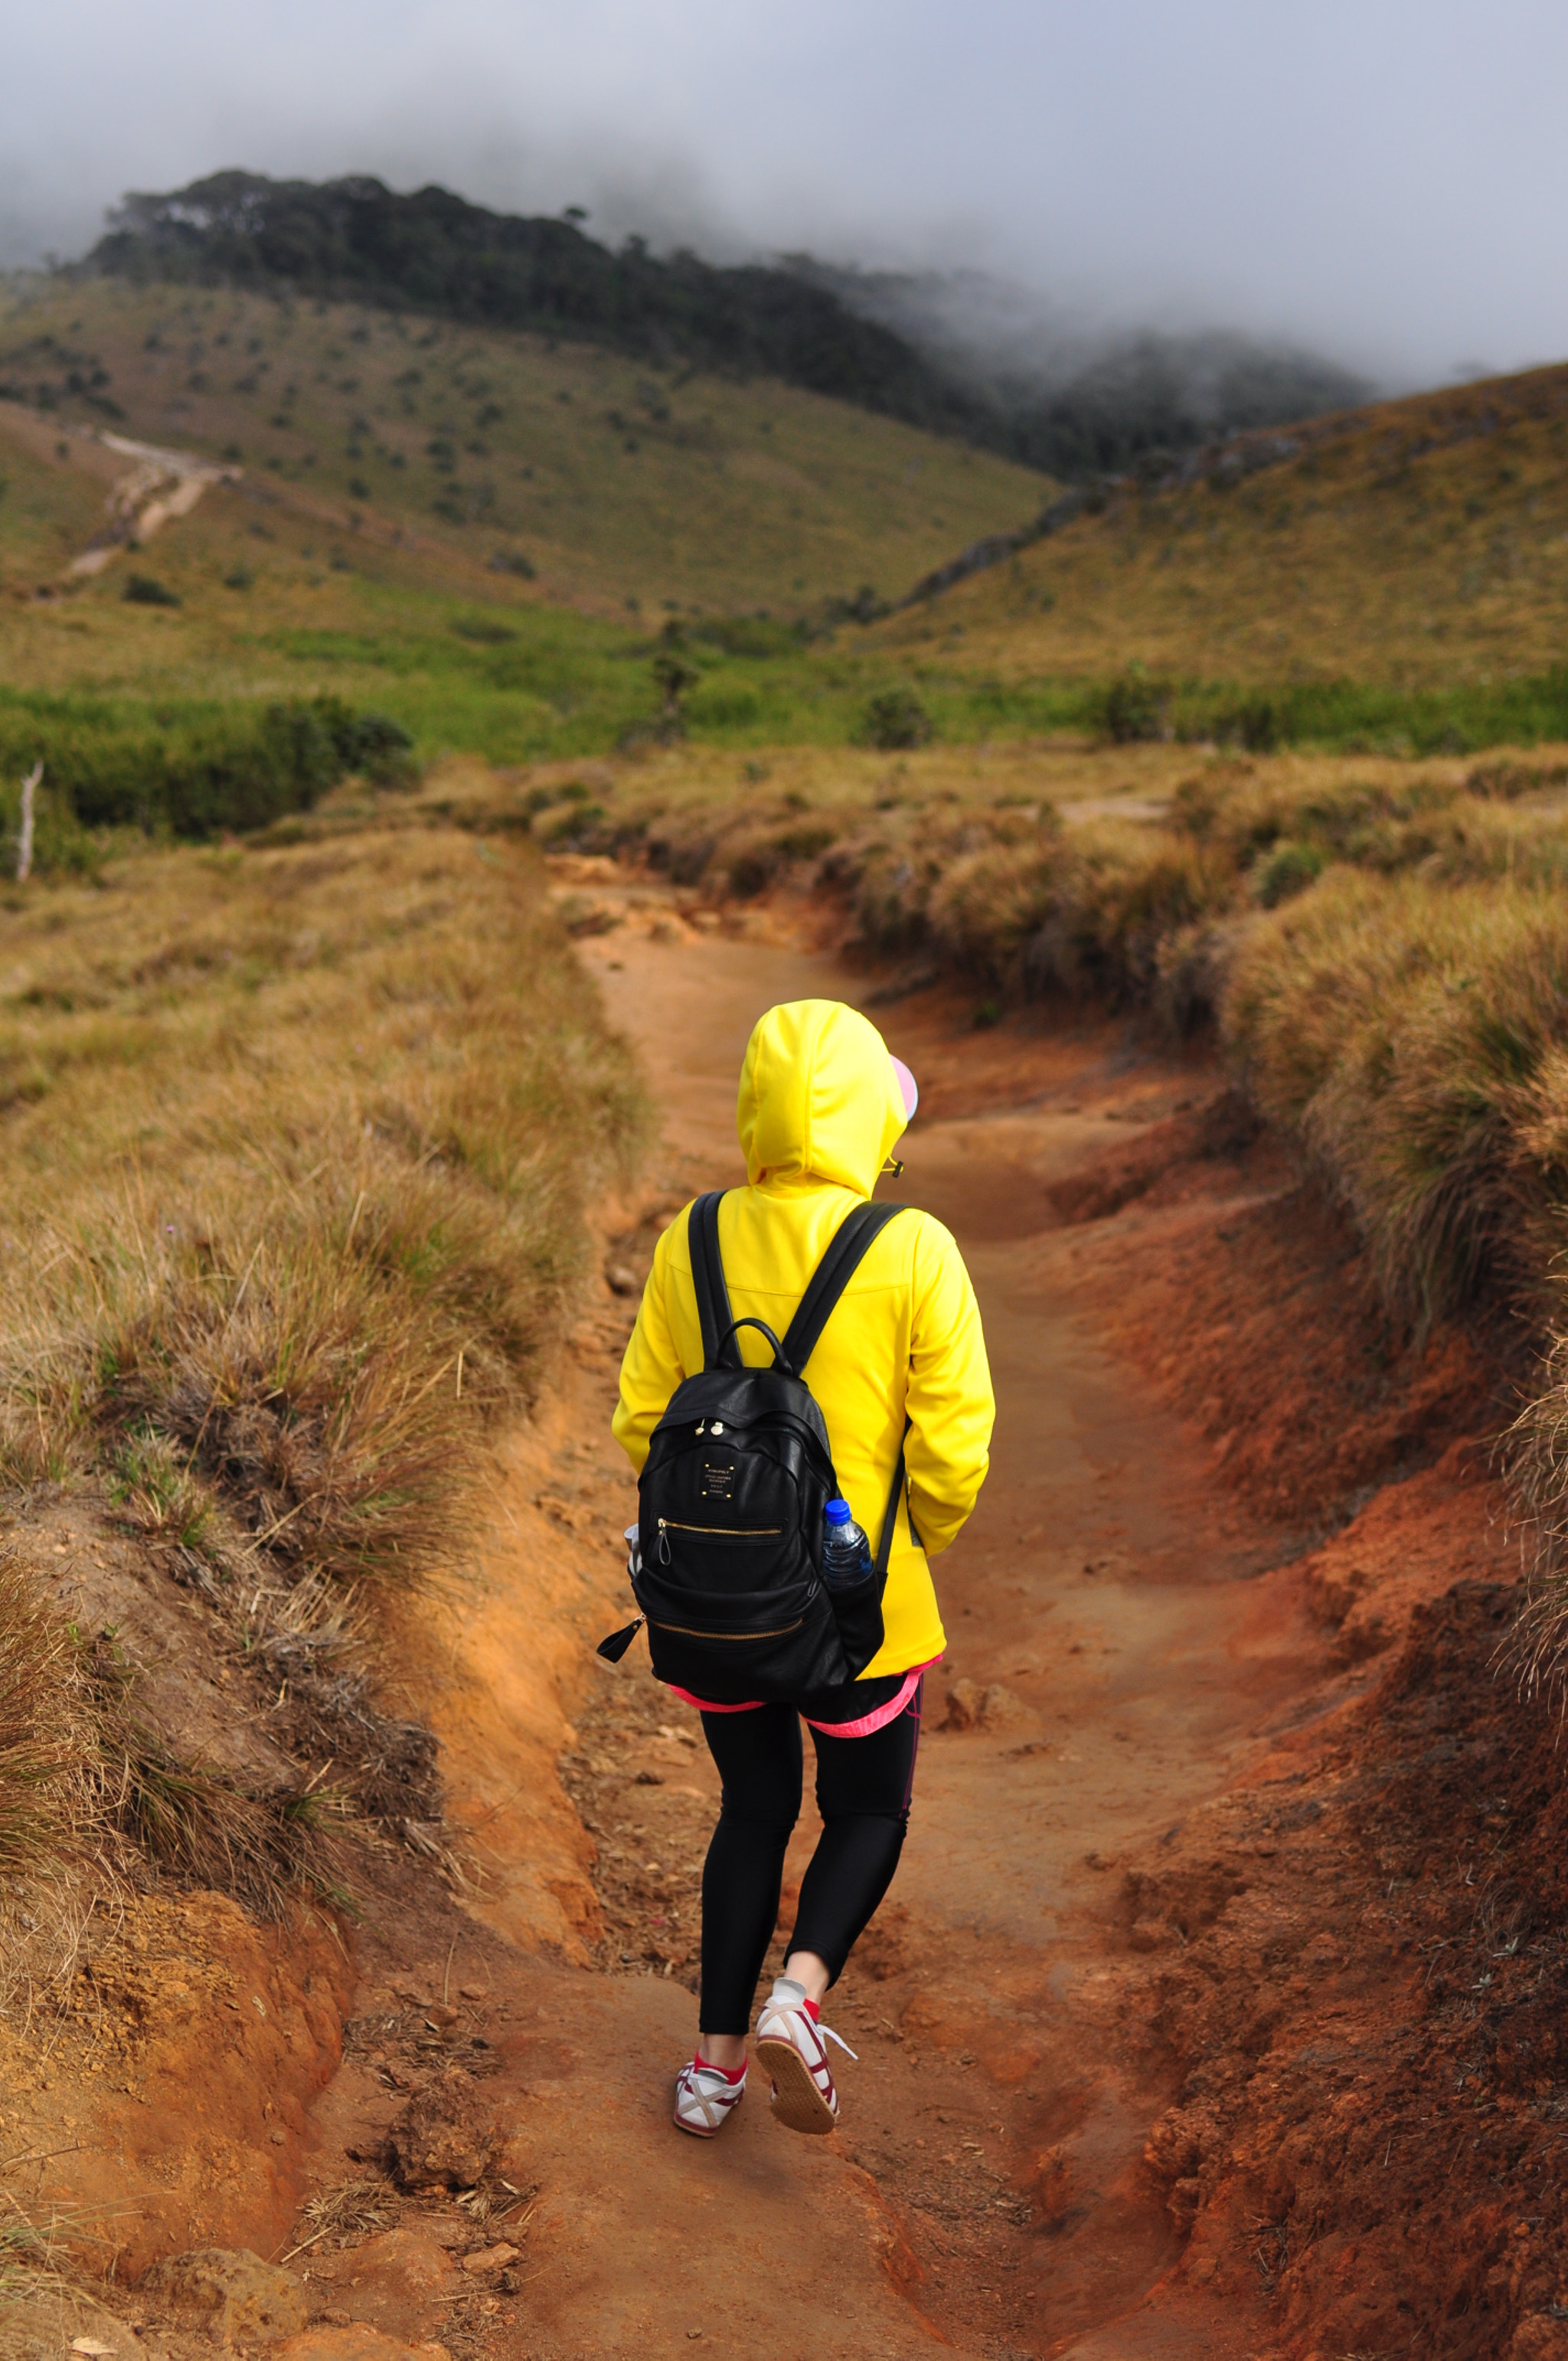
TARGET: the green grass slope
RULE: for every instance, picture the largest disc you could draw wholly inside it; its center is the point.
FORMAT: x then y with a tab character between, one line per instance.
1413	544
487	540
626	487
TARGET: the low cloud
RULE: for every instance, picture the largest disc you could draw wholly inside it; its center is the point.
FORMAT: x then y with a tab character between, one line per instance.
1382	184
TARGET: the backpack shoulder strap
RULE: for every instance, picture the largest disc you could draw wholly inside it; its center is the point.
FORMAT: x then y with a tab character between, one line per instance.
884	1546
708	1278
828	1281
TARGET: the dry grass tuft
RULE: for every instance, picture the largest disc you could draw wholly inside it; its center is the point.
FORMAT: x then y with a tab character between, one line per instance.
1018	903
344	2215
1415	1039
300	1142
39	1767
1535	1650
204	1828
33	2255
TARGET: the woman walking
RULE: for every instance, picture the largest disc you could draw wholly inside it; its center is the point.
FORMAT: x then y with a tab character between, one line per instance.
898	1373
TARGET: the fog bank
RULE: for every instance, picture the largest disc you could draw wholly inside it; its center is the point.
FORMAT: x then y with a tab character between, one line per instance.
1383	183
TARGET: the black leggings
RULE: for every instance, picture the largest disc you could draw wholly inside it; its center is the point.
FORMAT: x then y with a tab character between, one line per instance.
863	1787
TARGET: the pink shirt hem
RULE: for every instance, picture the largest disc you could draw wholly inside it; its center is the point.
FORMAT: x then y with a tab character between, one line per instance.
864	1726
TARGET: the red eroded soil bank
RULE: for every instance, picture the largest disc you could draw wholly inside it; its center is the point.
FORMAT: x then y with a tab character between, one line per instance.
1357	1955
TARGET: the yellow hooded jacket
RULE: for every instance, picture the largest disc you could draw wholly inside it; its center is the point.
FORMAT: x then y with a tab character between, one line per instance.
819	1110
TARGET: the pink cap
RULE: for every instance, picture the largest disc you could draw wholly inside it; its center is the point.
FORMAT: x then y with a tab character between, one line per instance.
909	1086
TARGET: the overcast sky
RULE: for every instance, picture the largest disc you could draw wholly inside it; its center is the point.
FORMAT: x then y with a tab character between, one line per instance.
1385	179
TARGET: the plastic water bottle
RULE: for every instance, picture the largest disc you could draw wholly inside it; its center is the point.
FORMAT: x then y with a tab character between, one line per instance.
846	1552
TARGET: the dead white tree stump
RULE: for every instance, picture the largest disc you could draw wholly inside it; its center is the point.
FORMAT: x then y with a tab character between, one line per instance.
25	840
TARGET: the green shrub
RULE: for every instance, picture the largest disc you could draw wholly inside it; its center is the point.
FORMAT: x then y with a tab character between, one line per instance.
379	746
721	704
867	606
1353	716
896	720
1135	707
193	770
1288	869
483	629
748	635
674	677
62	846
145	590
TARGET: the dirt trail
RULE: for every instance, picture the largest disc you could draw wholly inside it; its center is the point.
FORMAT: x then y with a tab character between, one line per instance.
1206	1868
149	486
1105	1605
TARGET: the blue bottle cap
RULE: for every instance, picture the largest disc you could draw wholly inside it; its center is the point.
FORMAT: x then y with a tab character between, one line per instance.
837	1512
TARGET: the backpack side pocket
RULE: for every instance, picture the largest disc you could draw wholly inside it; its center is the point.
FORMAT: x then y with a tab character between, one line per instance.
857	1611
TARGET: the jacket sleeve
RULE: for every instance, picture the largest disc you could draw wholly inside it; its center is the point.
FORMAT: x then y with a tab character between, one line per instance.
951	1404
651	1367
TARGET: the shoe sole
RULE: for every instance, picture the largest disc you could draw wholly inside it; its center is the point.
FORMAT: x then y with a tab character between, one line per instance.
798	2105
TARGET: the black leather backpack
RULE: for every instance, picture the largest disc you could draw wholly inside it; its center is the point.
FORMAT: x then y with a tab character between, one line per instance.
732	1500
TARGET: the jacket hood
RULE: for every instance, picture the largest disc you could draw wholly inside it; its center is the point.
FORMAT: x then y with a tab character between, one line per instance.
819	1100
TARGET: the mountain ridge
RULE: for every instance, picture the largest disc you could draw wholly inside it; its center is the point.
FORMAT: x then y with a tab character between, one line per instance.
885	342
435	252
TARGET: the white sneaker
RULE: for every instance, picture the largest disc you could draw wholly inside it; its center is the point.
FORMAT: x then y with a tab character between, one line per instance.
792	2045
705	2099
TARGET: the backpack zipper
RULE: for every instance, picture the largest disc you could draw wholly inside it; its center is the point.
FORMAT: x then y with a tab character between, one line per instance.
668	1525
731	1639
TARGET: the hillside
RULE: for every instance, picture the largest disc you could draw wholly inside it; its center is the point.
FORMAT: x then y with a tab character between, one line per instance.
615	483
433	252
1413	543
1083	400
488	539
955	354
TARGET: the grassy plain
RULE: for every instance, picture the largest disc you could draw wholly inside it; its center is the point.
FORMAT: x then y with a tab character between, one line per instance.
283	593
